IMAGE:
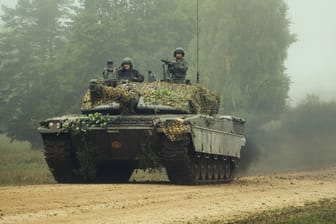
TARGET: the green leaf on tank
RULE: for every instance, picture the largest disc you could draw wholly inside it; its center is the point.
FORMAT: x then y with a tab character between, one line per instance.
81	125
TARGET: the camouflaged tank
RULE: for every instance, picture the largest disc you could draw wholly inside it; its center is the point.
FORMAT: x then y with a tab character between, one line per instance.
144	125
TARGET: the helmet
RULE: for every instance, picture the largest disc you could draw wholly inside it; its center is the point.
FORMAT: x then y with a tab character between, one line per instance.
127	60
179	50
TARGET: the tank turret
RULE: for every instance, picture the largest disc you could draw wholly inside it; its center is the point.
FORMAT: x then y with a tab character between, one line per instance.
149	98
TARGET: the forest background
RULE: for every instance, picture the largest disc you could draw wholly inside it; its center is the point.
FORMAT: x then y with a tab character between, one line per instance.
50	49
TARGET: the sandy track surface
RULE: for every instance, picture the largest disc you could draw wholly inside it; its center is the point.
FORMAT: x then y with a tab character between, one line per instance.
162	203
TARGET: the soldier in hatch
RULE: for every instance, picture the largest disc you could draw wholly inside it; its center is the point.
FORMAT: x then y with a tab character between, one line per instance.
126	72
178	67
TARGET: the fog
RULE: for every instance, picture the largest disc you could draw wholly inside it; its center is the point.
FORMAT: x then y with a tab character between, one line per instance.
311	60
9	3
303	138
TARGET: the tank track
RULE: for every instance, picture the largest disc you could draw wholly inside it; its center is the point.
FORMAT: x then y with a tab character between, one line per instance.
66	168
185	166
61	159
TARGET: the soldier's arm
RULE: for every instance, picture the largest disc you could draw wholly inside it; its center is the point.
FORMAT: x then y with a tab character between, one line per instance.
137	76
171	66
185	66
141	78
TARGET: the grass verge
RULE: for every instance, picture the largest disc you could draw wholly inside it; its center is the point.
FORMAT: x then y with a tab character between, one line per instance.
322	212
20	164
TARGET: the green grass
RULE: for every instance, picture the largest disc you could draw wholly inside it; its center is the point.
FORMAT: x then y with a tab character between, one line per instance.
20	164
149	176
322	212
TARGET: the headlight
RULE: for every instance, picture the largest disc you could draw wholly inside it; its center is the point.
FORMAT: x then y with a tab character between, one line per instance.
51	125
58	125
54	125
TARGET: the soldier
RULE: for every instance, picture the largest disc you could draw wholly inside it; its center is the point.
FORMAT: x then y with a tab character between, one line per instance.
178	67
126	72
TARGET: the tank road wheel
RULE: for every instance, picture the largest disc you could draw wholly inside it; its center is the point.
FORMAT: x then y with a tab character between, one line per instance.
184	167
178	163
203	171
221	168
228	170
196	168
210	168
215	168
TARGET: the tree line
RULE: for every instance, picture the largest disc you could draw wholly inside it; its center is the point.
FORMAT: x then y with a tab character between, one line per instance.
50	49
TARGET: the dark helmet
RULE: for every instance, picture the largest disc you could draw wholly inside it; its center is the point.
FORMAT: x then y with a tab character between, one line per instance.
179	50
127	60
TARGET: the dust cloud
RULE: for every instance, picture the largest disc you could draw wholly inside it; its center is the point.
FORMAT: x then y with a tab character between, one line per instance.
303	138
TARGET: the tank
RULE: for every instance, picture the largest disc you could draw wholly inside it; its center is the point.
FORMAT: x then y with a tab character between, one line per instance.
126	126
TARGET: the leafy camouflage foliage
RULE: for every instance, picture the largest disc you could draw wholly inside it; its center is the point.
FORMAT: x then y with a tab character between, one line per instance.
187	98
80	125
174	130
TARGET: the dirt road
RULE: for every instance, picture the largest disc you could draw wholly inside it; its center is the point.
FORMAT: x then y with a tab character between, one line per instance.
162	203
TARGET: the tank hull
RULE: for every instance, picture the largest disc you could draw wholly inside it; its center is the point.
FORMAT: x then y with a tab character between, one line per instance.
194	149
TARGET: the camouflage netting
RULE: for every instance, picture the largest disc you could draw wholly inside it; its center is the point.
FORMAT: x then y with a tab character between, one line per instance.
187	98
174	130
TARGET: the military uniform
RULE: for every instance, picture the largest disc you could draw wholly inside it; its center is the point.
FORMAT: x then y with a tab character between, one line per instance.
131	74
177	70
178	67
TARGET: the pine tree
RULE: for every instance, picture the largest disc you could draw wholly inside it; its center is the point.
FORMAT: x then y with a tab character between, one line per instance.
33	32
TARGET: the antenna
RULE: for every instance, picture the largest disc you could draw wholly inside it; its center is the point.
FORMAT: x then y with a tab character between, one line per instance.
197	44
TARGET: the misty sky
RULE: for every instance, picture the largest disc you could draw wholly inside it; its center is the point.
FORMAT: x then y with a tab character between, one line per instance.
8	2
312	59
311	62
